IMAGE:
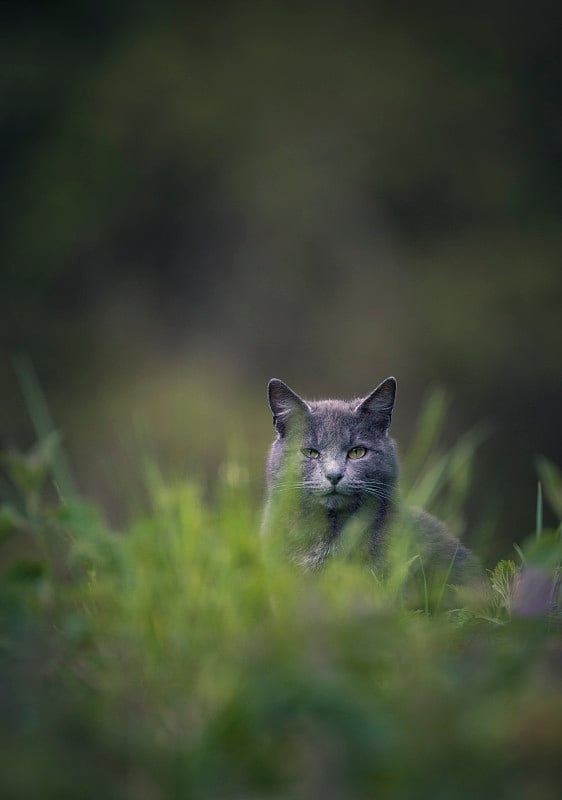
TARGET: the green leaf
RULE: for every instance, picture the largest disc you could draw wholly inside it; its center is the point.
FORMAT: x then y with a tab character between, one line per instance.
501	579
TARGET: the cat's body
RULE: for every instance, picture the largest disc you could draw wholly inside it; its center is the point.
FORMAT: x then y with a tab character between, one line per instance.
334	466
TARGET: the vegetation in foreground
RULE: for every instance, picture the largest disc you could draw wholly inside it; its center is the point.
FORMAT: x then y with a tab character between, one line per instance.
181	658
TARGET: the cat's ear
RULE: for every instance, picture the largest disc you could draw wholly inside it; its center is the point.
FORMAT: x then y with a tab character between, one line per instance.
285	404
380	403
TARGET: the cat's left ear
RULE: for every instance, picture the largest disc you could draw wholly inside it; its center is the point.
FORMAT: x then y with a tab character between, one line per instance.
380	403
285	405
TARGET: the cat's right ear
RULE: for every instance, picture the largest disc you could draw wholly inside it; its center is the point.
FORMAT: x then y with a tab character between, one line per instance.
285	405
380	403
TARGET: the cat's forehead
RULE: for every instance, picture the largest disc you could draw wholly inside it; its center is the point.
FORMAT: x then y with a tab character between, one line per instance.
333	420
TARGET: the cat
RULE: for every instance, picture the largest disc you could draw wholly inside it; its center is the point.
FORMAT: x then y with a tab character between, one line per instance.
334	466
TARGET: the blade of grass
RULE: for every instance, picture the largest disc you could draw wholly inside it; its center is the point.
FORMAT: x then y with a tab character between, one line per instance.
445	580
425	589
551	480
538	527
427	433
520	554
43	424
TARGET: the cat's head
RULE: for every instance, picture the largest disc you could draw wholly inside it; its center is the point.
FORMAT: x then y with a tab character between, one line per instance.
340	450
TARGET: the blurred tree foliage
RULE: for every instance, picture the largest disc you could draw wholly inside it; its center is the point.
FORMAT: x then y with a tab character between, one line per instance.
194	200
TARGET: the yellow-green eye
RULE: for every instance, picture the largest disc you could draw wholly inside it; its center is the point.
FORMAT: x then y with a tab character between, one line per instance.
356	452
309	453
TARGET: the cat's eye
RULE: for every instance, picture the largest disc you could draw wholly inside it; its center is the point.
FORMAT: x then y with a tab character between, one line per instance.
310	453
356	452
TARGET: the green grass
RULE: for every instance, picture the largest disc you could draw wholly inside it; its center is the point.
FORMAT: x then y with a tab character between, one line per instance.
183	657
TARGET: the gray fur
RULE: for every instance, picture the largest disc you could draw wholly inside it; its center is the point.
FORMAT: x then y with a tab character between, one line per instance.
330	491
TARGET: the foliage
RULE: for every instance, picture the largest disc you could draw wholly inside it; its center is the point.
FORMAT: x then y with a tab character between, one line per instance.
173	659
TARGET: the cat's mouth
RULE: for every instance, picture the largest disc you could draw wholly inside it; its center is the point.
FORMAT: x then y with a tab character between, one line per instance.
332	494
336	496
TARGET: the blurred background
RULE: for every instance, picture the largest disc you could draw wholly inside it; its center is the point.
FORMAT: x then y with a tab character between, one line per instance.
194	201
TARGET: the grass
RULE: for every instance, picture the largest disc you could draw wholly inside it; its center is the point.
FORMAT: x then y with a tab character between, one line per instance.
182	658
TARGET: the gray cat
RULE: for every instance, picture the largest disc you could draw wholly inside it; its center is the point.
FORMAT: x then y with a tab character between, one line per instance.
333	468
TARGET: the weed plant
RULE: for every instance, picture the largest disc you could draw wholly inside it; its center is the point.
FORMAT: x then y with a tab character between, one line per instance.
185	657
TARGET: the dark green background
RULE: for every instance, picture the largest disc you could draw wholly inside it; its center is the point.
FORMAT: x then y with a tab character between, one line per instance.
196	200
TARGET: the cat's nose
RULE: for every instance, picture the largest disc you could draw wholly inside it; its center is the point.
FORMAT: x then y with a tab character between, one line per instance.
334	476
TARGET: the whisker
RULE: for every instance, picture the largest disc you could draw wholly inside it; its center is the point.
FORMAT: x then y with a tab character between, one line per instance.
375	491
292	486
